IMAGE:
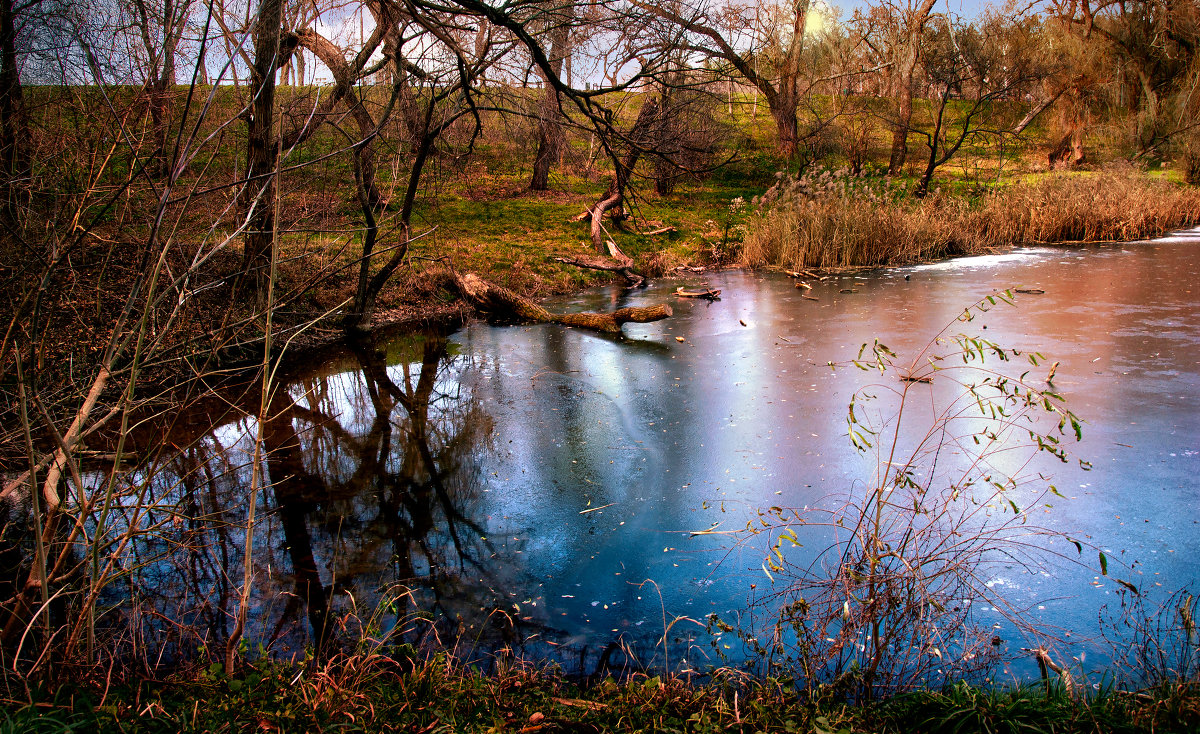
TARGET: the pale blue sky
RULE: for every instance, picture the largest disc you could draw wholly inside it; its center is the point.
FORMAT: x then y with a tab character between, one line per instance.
965	8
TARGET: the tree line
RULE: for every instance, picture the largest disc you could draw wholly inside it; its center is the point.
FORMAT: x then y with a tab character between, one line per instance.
432	65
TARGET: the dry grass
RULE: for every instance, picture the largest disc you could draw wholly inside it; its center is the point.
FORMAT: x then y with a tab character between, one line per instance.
1189	164
833	220
1115	205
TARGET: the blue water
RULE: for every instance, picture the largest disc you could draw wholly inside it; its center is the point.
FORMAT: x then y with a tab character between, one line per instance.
554	490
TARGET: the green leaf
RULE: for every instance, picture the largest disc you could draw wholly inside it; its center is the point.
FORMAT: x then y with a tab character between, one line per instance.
1103	564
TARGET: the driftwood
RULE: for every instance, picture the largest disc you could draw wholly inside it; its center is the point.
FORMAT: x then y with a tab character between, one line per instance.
498	300
708	294
624	267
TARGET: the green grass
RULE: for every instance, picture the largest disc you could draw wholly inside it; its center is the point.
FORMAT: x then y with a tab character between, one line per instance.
438	695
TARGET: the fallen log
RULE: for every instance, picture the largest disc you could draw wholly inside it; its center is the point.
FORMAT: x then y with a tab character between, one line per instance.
660	230
497	300
624	268
709	294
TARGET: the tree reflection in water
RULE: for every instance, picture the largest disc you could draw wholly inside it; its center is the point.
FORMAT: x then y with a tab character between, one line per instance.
373	500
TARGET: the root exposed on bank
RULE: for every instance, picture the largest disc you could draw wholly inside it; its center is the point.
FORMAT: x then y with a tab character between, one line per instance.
499	301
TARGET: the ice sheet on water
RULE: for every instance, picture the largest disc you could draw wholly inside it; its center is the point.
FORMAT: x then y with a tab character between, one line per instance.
986	261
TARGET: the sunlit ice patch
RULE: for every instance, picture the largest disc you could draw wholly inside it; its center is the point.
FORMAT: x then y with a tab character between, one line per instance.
987	261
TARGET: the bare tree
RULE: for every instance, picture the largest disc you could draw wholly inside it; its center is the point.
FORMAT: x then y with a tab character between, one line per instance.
967	62
160	26
764	46
1152	43
912	18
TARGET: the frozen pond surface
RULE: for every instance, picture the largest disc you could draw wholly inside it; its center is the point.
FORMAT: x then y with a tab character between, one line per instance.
541	483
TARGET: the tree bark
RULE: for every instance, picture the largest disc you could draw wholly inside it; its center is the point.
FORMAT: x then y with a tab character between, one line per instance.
624	268
261	150
788	130
550	130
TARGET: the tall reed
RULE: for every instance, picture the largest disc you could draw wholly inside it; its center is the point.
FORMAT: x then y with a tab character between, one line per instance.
835	219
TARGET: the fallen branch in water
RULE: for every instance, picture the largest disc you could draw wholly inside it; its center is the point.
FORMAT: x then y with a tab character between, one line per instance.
500	301
709	294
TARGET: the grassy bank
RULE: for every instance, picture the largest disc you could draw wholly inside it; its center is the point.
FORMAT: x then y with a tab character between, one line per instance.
438	695
832	220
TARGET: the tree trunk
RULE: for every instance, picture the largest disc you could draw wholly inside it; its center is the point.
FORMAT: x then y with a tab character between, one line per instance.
784	114
916	20
261	150
550	131
161	86
784	102
935	140
1068	152
639	135
904	101
14	125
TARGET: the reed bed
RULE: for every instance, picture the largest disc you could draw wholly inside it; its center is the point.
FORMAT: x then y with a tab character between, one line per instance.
836	220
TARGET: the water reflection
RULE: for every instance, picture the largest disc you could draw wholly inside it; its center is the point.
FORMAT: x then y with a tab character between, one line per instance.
371	479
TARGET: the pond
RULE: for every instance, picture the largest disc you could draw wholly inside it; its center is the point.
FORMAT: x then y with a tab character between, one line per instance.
544	489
